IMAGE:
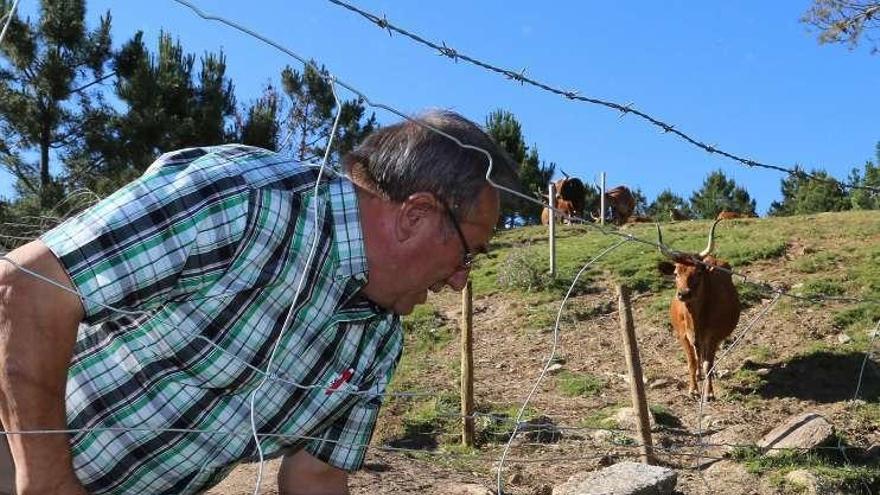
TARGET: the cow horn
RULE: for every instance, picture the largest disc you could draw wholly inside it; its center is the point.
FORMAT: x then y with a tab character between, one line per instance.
565	174
711	244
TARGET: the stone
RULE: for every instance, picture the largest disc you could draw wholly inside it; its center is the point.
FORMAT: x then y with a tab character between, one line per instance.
462	489
843	338
724	442
659	383
730	478
553	368
762	371
803	432
541	430
810	483
624	478
627	419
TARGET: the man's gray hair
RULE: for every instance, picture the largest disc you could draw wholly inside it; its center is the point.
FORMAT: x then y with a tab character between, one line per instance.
409	157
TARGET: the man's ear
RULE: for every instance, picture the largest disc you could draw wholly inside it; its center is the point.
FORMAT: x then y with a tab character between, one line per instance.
415	213
666	268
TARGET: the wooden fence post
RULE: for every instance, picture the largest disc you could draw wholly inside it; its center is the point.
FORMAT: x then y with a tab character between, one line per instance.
602	200
467	366
634	365
552	195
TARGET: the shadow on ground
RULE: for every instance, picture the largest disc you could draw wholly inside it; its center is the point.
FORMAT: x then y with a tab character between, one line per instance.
822	377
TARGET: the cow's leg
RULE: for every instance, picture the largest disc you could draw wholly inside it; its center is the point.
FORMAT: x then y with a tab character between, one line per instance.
707	364
693	364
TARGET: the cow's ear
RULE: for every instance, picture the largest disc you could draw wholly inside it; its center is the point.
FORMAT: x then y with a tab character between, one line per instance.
666	268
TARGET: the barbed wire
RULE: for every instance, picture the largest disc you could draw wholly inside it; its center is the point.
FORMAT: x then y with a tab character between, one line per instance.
520	76
517	422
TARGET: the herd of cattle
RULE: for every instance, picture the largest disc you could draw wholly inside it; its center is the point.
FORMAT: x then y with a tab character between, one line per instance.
705	308
620	204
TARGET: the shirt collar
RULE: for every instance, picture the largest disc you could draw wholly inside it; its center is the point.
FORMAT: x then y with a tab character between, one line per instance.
348	234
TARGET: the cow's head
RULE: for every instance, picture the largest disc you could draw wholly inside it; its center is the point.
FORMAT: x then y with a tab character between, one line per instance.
689	274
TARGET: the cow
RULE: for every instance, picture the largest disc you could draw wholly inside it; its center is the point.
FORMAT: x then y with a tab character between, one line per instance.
677	215
563	208
704	310
569	190
730	215
622	204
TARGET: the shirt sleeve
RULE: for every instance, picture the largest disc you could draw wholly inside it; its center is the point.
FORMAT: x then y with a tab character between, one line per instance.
344	444
165	235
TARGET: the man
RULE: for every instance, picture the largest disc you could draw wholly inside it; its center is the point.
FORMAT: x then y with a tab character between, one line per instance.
187	278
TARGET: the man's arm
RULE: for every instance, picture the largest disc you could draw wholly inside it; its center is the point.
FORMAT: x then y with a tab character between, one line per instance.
38	326
303	474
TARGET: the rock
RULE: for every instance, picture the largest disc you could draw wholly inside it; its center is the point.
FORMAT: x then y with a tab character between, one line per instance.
730	478
544	490
843	338
659	383
553	368
762	371
804	431
724	442
627	419
515	479
625	478
540	429
462	489
810	483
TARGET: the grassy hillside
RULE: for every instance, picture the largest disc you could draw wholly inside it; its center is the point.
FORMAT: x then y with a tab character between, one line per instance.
802	356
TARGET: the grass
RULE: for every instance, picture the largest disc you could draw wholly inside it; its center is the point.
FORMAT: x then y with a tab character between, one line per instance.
828	465
579	384
601	418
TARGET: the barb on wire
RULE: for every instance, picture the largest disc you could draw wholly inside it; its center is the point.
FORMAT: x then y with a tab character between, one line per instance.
521	77
603	229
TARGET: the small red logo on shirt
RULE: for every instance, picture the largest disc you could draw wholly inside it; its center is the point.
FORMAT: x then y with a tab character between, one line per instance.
339	381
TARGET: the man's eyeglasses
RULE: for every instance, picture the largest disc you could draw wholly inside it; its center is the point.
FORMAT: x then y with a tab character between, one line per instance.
467	258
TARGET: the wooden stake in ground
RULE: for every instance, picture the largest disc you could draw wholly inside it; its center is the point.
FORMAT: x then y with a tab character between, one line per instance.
634	365
551	189
467	366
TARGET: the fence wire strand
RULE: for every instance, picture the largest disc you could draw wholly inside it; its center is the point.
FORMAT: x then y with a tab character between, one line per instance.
518	424
520	76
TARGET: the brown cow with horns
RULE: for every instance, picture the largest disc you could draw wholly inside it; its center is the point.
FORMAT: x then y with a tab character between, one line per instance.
704	310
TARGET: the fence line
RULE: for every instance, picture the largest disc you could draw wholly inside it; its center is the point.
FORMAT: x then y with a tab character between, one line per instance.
520	76
518	423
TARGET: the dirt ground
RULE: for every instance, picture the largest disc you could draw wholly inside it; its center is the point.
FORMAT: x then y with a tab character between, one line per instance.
509	357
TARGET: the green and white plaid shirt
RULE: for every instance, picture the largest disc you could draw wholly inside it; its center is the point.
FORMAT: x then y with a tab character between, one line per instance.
200	259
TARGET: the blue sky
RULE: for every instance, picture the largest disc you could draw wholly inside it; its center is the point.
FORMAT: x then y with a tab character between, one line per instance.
745	76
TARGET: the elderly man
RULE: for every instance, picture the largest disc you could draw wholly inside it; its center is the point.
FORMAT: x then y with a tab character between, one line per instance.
223	287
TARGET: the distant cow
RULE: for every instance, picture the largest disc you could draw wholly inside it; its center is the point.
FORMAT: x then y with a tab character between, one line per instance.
563	208
569	190
730	215
704	310
622	204
677	215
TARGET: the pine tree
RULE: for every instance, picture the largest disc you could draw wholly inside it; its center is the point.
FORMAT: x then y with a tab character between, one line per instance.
659	209
802	194
534	173
46	87
720	193
309	120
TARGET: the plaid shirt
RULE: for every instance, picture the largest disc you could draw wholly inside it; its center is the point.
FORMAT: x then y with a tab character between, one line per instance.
200	259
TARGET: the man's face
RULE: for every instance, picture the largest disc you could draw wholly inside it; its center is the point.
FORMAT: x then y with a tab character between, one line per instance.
440	257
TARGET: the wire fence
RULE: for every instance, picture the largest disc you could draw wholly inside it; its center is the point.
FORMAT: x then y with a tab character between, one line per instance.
615	443
576	95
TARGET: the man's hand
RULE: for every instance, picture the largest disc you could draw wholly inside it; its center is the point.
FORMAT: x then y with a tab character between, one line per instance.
38	325
303	474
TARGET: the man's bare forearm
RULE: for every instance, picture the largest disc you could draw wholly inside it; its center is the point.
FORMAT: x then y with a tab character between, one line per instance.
38	324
